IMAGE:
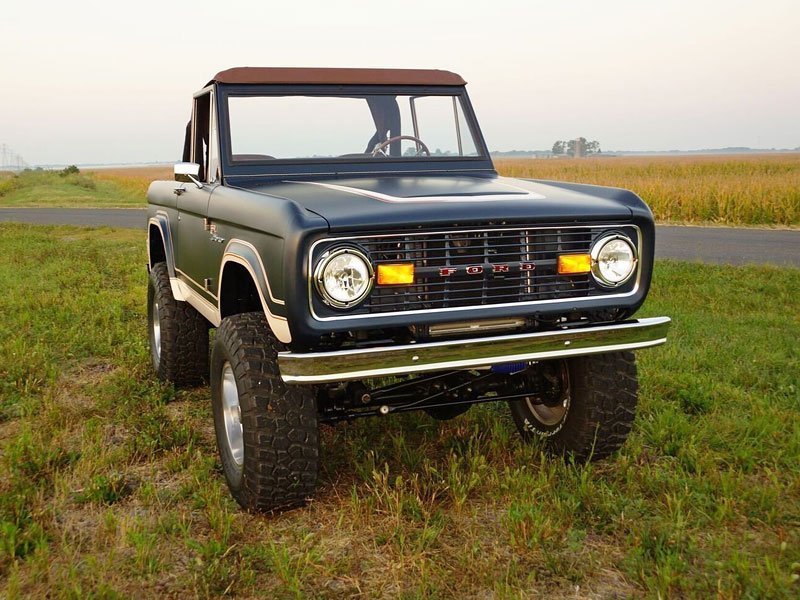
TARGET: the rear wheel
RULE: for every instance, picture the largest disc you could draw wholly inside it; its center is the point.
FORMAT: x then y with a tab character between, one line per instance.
178	334
267	432
588	411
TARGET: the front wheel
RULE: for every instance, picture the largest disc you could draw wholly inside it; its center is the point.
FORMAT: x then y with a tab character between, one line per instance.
589	409
267	431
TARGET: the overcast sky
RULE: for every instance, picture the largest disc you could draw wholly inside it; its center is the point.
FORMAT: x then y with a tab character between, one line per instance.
107	82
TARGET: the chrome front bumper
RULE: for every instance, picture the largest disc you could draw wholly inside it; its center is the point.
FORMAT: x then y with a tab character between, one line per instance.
341	365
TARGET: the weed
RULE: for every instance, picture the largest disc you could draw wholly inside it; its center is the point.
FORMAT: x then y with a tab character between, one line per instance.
145	551
107	489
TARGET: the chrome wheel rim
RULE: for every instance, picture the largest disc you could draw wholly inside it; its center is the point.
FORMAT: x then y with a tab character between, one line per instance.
549	415
553	416
232	415
156	325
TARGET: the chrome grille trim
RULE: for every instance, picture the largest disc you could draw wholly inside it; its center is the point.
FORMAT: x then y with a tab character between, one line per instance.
525	282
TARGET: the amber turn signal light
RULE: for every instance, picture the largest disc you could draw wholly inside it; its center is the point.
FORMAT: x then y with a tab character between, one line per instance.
398	274
574	264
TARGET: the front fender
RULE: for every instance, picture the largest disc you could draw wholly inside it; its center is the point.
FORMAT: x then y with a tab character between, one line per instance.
246	255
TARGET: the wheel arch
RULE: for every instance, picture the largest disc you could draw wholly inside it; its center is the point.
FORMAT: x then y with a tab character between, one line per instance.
160	248
159	242
244	287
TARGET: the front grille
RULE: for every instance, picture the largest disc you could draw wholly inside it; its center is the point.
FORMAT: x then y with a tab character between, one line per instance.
481	267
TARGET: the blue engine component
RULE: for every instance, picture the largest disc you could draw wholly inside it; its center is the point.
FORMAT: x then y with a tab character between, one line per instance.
509	368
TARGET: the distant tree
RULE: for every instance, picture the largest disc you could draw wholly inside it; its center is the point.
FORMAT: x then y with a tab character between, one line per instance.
577	147
70	170
593	147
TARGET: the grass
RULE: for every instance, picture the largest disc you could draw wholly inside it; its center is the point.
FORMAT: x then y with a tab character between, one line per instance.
728	190
134	180
112	487
725	190
78	190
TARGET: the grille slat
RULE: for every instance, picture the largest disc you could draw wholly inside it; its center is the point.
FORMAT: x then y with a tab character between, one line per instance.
495	257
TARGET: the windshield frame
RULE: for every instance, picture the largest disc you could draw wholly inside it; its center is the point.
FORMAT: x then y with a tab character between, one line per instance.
335	165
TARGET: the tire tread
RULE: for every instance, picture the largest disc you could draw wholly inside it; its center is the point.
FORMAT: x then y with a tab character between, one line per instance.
609	384
280	422
184	335
603	397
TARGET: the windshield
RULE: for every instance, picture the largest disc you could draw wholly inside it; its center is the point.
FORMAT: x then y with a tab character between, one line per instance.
363	127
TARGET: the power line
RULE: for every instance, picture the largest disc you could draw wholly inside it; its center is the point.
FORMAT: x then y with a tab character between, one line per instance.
10	160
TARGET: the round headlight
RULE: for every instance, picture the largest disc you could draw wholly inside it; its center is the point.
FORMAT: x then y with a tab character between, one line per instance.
344	277
613	260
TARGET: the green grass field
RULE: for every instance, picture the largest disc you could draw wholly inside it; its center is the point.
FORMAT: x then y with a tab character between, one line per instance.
112	487
80	190
725	190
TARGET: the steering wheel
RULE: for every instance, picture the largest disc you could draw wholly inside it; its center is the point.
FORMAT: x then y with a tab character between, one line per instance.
421	147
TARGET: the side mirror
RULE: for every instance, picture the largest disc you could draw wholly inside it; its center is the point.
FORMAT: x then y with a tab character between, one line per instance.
186	171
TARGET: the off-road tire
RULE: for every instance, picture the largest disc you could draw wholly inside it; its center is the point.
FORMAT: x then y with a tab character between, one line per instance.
183	356
603	390
279	422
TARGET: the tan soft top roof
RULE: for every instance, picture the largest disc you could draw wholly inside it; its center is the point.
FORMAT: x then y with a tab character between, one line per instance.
289	75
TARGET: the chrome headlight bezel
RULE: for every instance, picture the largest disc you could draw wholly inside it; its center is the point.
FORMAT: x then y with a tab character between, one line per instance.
319	276
595	254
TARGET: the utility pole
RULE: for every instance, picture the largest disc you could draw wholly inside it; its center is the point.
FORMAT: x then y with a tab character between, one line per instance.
10	160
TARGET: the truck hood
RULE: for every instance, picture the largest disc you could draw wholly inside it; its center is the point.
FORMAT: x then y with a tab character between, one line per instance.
402	201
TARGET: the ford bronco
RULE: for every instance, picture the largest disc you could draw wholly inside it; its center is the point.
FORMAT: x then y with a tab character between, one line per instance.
346	233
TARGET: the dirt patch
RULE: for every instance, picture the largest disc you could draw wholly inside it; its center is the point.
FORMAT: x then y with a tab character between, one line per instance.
72	390
8	430
609	584
72	400
69	401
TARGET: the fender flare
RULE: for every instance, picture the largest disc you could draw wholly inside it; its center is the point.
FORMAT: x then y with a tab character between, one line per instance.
161	222
245	254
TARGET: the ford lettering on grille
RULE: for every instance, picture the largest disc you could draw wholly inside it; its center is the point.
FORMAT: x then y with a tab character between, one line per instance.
479	269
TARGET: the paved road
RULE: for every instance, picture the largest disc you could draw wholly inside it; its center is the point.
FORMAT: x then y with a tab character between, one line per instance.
724	245
729	245
128	218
